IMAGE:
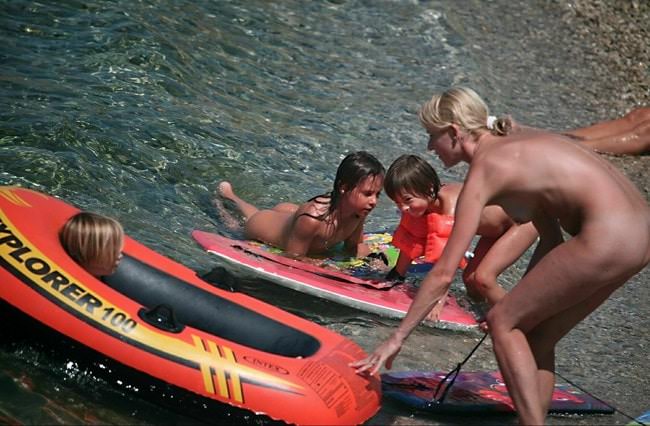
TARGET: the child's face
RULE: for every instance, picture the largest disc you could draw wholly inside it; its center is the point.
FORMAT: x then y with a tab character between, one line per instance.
363	198
104	267
412	204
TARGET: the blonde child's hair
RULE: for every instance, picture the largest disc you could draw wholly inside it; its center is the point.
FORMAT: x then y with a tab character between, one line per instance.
91	237
464	107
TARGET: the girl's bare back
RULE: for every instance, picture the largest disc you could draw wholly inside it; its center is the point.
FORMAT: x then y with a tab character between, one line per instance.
309	224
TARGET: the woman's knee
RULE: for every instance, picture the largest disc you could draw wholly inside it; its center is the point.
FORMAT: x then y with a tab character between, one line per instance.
497	321
638	115
470	285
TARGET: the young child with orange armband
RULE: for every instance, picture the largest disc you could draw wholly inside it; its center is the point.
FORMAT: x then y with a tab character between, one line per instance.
428	209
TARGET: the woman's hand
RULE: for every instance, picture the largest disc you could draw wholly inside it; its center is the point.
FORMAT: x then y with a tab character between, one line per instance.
384	354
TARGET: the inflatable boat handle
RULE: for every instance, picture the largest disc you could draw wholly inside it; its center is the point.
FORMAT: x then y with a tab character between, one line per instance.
161	316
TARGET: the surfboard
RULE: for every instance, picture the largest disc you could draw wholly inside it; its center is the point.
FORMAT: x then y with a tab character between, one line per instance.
474	392
643	419
342	280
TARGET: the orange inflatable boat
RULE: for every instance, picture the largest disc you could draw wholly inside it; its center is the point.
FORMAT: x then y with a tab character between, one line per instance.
156	316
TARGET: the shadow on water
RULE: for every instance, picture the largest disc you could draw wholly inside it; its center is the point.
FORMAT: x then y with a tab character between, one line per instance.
46	378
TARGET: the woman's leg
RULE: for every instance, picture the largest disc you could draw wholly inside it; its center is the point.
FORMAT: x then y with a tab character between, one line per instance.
564	287
477	286
629	134
543	338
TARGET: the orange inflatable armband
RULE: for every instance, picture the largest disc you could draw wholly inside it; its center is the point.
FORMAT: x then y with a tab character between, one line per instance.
424	236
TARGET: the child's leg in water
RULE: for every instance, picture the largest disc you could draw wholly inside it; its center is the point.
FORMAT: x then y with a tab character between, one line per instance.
224	190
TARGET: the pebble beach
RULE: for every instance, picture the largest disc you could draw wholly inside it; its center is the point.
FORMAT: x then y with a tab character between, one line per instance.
613	36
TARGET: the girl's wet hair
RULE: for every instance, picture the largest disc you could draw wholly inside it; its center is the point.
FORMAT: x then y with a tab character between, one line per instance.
464	107
90	237
410	174
354	168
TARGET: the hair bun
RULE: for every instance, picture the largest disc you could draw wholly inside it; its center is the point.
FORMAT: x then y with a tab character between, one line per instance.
501	126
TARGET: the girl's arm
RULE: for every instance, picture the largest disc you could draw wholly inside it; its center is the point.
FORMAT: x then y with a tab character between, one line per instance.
301	235
402	265
354	244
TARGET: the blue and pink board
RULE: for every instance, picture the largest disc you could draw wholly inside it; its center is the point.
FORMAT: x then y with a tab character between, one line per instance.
643	419
337	280
474	392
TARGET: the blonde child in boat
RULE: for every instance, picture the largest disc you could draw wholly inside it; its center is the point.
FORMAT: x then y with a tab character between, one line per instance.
94	241
325	220
428	210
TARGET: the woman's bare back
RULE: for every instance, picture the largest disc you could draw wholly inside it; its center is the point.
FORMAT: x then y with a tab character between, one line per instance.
577	188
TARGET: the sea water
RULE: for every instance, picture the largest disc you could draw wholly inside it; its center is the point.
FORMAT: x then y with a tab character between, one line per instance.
137	109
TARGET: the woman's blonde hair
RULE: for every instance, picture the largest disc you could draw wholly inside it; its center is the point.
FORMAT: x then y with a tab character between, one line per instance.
90	237
464	107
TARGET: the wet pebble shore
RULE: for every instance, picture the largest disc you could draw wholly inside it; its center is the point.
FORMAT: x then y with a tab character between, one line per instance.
615	35
614	38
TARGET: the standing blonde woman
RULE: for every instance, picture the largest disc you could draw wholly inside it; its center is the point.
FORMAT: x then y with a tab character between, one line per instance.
558	185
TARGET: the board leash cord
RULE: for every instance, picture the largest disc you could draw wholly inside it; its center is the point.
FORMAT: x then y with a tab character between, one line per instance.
453	374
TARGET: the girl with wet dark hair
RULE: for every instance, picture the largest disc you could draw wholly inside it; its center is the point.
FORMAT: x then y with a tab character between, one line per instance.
323	221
